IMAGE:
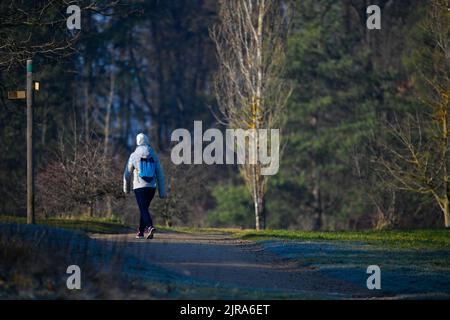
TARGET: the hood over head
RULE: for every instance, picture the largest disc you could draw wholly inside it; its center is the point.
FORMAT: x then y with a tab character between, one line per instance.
142	139
143	145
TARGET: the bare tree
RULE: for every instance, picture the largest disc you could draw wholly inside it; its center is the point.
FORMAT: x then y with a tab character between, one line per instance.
250	41
30	28
107	129
109	105
185	191
421	163
77	178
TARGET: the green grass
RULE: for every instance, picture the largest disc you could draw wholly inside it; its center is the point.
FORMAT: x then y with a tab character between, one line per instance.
90	225
227	231
405	239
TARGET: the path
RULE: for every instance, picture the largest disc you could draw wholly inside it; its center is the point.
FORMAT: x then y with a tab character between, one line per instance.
218	260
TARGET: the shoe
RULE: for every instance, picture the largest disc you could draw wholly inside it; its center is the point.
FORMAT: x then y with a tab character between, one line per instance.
140	235
151	231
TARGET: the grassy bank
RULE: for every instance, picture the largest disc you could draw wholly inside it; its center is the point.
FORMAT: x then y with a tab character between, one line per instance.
408	239
34	261
405	239
90	225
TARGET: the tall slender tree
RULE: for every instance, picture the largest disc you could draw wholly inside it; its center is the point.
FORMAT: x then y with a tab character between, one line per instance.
250	41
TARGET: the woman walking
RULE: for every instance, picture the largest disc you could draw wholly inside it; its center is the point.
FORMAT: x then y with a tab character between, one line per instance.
147	173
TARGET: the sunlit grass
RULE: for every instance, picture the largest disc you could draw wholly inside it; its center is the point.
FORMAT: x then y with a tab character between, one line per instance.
395	238
412	239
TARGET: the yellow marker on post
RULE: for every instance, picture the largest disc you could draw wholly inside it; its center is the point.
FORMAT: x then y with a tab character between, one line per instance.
15	95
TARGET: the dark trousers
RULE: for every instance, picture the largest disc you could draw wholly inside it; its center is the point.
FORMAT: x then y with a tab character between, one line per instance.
143	197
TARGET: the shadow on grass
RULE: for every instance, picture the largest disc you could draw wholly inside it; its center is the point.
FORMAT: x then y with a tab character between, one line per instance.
405	273
92	225
34	261
402	239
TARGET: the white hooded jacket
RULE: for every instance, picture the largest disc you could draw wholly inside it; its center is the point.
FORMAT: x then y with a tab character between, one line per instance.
143	150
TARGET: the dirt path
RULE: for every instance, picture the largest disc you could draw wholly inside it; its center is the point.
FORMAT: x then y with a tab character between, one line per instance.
217	260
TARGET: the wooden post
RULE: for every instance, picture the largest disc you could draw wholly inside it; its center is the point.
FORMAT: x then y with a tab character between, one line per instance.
30	167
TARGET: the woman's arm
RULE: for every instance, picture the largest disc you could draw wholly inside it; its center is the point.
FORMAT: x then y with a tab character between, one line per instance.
127	175
160	180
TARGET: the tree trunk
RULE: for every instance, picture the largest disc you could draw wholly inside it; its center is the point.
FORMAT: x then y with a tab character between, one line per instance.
87	75
45	120
446	214
127	116
318	223
159	99
257	183
262	212
444	160
256	204
107	126
109	211
90	210
317	203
